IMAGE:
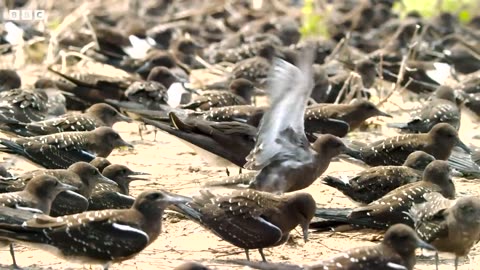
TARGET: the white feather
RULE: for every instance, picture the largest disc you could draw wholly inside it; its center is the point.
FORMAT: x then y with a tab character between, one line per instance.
139	47
441	72
175	93
127	228
396	266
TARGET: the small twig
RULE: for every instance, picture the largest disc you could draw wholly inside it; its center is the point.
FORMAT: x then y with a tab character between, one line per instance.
209	66
94	35
344	87
356	86
336	50
403	67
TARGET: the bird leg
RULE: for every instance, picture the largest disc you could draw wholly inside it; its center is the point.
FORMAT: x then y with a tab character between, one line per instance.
106	266
436	260
240	170
248	256
140	128
456	262
12	253
261	254
227	171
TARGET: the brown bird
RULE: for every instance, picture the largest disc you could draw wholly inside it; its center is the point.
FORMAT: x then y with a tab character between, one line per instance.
36	197
251	219
396	251
239	92
438	142
23	105
440	108
283	154
393	208
354	114
60	150
449	225
108	196
98	115
81	175
373	183
97	237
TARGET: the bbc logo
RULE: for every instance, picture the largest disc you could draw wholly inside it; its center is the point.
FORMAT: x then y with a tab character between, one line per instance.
26	14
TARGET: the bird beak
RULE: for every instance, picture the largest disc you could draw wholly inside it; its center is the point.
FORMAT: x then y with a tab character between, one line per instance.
352	152
105	180
145	67
124	118
305	231
380	113
187	88
66	187
464	147
137	178
174	198
124	144
425	245
259	92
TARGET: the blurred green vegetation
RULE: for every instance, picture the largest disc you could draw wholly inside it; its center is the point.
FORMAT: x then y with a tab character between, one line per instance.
313	23
428	8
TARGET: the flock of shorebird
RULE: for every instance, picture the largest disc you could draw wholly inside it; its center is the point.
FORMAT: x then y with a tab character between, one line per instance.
318	91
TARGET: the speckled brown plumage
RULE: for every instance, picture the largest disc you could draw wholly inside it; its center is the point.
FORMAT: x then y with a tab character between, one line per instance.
118	234
23	105
60	150
97	115
393	207
449	225
251	219
108	196
439	143
354	114
373	183
440	108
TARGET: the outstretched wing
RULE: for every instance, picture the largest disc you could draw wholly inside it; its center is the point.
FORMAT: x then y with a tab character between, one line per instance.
282	126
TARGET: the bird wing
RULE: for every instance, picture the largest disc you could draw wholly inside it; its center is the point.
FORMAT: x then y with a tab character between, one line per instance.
64	140
112	236
51	126
429	217
282	126
364	258
48	156
237	218
393	150
15	216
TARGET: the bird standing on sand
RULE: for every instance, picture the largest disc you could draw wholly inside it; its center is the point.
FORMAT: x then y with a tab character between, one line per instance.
60	150
449	225
251	219
373	183
97	237
396	251
440	108
392	208
36	197
98	115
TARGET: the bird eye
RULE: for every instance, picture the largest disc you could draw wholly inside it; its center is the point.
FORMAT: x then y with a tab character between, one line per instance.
95	172
155	196
56	183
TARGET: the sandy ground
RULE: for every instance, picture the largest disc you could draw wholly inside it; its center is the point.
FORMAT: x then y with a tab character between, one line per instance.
175	167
